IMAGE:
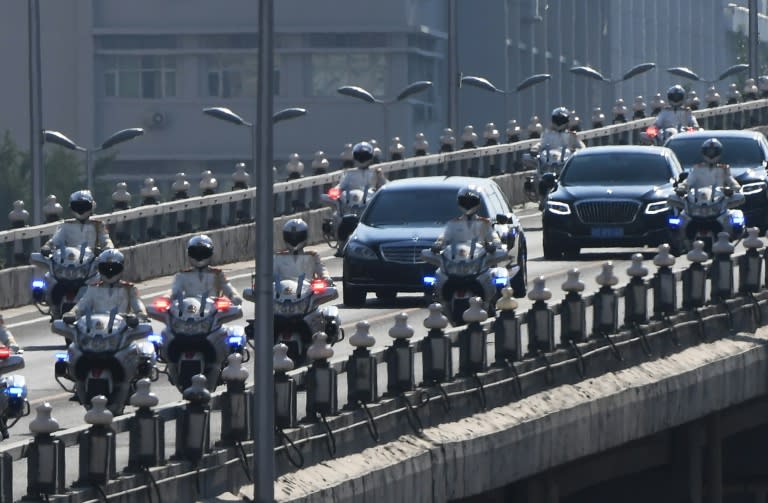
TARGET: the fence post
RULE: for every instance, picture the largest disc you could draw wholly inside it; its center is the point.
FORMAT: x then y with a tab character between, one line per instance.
210	216
448	144
235	416
121	200
362	375
491	137
638	108
399	357
193	428
147	438
573	316
19	218
285	388
695	277
45	463
150	194
534	127
320	166
751	263
469	167
179	221
664	284
636	292
436	358
472	340
606	314
512	159
97	445
721	273
657	103
396	149
240	212
508	342
540	319
322	397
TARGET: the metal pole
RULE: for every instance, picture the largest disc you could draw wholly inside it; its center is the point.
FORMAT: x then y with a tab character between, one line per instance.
263	403
35	112
88	170
754	40
453	67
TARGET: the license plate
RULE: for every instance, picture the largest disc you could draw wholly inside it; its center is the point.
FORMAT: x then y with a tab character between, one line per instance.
607	232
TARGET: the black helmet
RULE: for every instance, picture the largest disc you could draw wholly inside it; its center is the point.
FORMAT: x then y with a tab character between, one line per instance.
81	203
469	198
363	153
676	95
711	150
200	250
295	233
111	263
560	117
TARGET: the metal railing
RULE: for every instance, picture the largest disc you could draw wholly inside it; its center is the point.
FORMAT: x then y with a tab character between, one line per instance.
182	216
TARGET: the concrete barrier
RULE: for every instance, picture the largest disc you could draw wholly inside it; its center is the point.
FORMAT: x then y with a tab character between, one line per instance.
167	256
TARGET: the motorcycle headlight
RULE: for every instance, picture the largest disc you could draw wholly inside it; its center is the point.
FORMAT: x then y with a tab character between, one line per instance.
752	188
558	208
360	251
657	207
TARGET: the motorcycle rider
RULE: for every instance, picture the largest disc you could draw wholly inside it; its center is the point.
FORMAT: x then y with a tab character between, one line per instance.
295	261
7	339
557	136
111	291
202	278
469	225
675	115
710	172
81	229
362	177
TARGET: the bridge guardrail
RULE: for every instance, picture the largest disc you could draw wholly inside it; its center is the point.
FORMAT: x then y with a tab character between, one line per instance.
182	216
719	295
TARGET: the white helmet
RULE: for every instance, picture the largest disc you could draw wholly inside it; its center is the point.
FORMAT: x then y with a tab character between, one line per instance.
363	153
295	234
200	251
111	263
711	150
81	203
469	199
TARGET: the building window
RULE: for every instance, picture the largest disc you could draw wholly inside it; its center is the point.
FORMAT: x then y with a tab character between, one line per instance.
331	71
232	75
145	77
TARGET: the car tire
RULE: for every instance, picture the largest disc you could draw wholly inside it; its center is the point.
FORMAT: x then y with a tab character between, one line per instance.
353	296
551	250
519	282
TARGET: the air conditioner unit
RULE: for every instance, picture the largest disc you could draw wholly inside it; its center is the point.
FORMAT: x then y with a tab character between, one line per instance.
156	120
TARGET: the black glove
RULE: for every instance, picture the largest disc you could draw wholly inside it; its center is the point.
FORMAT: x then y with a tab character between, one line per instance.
436	249
490	248
45	251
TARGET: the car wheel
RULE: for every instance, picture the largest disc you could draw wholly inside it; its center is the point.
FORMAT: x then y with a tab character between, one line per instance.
519	282
551	250
353	296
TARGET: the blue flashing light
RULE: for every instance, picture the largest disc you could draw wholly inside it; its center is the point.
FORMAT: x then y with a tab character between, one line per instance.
737	219
235	340
38	284
429	280
674	222
155	338
502	281
15	391
62	357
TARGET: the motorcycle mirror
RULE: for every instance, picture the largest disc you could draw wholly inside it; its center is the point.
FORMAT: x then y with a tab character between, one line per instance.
131	320
728	191
683	176
549	180
502	219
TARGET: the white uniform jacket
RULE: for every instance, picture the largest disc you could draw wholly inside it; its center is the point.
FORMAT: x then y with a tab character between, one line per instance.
461	230
706	175
676	118
72	232
287	265
361	178
556	140
209	280
103	297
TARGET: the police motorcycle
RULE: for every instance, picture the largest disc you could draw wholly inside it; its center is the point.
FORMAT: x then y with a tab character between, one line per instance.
70	270
348	205
195	340
106	356
466	270
13	391
298	315
655	136
547	161
701	213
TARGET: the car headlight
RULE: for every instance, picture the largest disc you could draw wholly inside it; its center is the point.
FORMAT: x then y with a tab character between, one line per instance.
752	188
657	207
358	250
558	208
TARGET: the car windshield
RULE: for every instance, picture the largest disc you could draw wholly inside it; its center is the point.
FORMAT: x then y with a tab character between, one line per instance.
738	152
428	206
616	168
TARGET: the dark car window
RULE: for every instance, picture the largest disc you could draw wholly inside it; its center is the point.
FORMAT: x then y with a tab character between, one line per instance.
615	168
736	151
419	206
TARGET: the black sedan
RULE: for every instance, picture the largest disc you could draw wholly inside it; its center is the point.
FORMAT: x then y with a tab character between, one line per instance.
747	154
610	197
383	255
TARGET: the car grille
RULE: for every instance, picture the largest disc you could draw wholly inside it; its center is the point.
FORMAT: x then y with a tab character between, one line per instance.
607	212
404	254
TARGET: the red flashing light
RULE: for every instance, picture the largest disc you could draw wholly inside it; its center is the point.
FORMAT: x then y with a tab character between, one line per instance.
162	304
4	352
652	131
319	286
334	193
222	304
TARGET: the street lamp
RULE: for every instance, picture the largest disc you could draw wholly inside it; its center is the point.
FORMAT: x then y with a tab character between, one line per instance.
589	72
687	73
487	85
117	137
365	95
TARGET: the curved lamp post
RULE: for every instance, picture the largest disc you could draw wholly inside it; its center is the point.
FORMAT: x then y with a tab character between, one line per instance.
592	73
487	85
363	94
115	138
687	73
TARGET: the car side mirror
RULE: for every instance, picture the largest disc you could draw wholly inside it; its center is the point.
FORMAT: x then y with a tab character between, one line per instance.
549	181
502	219
132	321
69	318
